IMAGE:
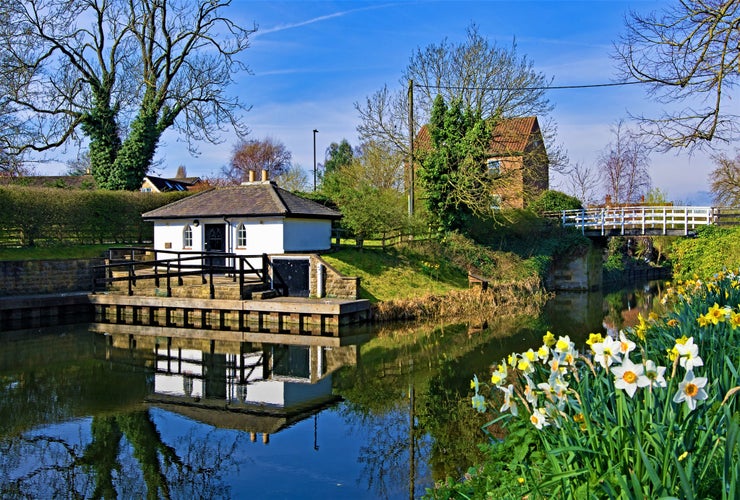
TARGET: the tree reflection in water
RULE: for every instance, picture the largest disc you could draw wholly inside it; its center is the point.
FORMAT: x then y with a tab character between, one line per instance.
124	458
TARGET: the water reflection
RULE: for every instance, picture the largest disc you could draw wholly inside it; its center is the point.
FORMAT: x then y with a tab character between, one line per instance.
170	414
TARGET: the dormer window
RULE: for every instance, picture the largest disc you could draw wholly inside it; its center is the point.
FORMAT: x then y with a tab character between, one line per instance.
494	167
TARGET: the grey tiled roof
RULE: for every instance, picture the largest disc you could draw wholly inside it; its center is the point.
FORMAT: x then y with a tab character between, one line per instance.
248	200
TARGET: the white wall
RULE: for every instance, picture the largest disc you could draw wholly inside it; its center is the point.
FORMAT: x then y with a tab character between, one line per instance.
306	235
270	235
171	231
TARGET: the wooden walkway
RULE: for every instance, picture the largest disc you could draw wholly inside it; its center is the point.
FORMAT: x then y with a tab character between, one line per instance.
279	315
645	220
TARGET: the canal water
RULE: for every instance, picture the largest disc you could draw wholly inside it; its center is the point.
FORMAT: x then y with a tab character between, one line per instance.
125	415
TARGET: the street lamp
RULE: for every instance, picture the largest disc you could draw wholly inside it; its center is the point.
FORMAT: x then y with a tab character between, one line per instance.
314	158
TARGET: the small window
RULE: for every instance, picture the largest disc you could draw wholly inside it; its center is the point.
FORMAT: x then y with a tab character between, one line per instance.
187	237
241	236
494	167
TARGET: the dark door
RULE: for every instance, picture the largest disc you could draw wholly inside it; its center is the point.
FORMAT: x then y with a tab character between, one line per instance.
215	243
293	273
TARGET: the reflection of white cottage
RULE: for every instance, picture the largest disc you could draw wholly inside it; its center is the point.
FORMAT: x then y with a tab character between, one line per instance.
251	219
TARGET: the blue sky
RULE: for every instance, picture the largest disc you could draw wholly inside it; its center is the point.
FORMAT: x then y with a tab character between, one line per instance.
312	60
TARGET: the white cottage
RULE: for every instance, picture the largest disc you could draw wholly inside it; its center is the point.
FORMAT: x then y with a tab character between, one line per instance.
250	219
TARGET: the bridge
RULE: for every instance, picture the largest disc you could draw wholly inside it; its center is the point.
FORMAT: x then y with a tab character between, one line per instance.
645	220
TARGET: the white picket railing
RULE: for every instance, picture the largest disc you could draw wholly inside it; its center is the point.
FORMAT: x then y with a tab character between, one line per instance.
638	220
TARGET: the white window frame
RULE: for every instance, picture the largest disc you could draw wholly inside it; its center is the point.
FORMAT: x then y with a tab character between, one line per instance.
187	236
241	235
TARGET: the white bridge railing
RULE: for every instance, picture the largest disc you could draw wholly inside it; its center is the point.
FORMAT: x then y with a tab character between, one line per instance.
638	220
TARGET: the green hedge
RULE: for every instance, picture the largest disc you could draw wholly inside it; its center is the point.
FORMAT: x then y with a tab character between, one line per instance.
32	216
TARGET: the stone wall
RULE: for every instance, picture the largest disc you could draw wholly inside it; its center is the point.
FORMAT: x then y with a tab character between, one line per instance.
334	285
36	277
578	272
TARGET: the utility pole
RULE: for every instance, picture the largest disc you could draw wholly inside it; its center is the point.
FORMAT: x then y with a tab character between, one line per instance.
410	175
314	158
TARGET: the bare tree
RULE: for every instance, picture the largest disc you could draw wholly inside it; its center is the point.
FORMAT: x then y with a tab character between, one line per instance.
688	54
583	182
624	166
294	178
257	155
492	81
725	180
120	73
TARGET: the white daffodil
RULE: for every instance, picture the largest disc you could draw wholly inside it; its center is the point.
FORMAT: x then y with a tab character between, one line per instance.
626	346
629	376
607	352
509	400
539	418
655	373
689	354
691	390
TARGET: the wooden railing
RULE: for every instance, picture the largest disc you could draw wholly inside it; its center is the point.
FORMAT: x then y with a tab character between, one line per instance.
132	264
639	220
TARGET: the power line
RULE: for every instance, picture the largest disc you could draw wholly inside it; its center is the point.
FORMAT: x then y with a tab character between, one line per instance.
548	87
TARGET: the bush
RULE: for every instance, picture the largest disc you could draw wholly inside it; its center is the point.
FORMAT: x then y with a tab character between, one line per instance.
31	216
713	248
552	201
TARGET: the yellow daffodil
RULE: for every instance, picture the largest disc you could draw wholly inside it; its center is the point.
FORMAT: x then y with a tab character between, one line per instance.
593	338
716	314
548	339
735	320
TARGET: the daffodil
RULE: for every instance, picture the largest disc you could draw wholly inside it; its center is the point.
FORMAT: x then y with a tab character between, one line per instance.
689	355
499	375
691	390
641	328
548	339
538	418
543	352
525	365
629	376
606	352
474	384
529	393
564	344
716	314
625	345
734	320
594	338
655	373
479	403
673	322
509	400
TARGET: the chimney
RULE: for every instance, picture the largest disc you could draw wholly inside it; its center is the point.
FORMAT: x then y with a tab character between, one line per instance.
251	176
264	175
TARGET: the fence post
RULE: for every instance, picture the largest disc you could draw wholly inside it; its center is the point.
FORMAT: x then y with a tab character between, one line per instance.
241	278
169	285
130	278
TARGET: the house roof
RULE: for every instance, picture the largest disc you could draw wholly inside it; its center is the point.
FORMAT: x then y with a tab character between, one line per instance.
257	199
513	134
509	136
178	184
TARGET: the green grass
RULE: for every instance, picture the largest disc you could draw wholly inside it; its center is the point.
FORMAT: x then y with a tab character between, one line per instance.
54	252
396	273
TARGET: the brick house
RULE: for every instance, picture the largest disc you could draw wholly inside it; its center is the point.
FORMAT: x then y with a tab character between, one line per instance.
517	160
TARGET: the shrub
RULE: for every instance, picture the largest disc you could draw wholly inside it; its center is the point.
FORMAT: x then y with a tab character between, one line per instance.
551	201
